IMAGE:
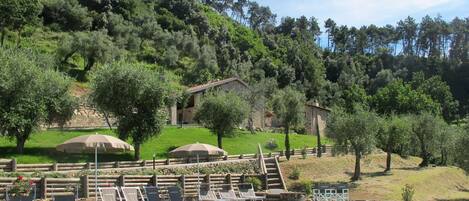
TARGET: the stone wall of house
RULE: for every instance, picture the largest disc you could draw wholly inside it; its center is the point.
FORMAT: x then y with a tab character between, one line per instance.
314	116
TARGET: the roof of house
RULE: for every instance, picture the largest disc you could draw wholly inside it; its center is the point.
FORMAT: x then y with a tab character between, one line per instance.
316	105
212	84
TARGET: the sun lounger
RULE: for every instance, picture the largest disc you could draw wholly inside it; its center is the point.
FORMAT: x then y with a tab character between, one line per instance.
247	192
206	194
230	195
109	194
175	194
151	193
132	193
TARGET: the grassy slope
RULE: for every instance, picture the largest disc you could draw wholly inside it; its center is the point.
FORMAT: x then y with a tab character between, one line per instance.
40	147
438	183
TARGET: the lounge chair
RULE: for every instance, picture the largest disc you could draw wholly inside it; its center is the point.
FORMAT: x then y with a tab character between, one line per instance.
230	195
151	193
205	194
109	194
175	194
70	197
247	191
30	197
132	193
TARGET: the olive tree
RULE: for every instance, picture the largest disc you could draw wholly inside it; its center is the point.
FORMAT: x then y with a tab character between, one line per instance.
15	14
221	112
30	96
394	133
135	96
289	106
426	128
353	132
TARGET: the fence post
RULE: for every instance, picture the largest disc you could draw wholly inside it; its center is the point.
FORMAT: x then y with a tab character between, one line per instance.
182	179
225	157
116	164
88	165
13	165
154	180
266	181
228	180
121	180
167	161
55	167
144	163
243	178
207	179
44	188
84	186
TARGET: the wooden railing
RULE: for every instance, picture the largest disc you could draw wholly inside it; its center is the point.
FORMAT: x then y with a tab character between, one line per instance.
85	185
10	165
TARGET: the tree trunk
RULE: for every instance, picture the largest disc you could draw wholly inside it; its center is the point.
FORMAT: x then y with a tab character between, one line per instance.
219	139
287	143
251	124
356	174
20	141
388	161
3	36
89	64
182	117
137	151
18	38
319	153
425	156
106	118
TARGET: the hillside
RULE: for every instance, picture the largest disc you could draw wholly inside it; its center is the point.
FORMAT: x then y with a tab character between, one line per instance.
433	183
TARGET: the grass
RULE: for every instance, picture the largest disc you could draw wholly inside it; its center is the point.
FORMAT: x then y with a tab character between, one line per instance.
40	148
436	183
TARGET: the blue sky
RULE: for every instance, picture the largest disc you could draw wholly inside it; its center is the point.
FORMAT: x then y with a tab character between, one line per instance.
365	12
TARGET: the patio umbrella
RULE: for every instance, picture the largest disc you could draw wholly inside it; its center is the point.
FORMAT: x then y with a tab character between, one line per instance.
196	150
94	143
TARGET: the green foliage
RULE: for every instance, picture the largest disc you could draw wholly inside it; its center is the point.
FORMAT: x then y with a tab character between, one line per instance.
461	154
69	15
256	183
135	96
15	14
426	128
30	96
408	192
395	133
353	131
221	112
399	98
289	106
295	174
303	186
271	144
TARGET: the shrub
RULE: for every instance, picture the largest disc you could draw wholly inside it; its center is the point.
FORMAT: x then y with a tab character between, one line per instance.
304	153
300	130
271	144
256	183
303	186
295	174
408	192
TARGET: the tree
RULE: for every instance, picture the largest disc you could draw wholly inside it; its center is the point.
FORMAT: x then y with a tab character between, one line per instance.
399	98
395	132
183	100
135	96
15	14
255	97
426	127
289	106
461	153
94	47
68	14
221	112
30	96
353	131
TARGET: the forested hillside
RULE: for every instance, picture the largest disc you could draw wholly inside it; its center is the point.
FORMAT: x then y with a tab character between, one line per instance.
200	41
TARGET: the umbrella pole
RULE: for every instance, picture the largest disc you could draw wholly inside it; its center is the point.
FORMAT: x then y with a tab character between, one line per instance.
198	174
96	171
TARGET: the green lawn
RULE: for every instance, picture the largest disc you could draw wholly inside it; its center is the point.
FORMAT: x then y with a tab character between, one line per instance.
40	148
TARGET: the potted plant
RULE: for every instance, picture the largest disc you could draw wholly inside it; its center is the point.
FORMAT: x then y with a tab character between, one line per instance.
21	189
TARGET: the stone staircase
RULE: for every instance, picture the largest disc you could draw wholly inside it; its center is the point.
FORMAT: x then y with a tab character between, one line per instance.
274	174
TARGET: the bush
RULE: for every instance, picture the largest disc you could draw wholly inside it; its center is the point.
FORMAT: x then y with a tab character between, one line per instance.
304	153
300	130
271	144
295	174
408	192
256	183
303	186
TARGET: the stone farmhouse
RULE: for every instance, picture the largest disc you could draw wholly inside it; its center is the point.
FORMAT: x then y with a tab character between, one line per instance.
315	115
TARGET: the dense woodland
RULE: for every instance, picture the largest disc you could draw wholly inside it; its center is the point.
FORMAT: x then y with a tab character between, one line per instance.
416	66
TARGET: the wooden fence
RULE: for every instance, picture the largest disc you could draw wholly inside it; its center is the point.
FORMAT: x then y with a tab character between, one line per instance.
10	165
85	185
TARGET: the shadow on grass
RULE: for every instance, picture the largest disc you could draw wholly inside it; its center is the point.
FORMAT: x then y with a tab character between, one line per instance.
370	174
457	199
409	168
51	154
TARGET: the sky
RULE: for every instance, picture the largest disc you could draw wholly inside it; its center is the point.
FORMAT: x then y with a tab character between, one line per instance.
365	12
